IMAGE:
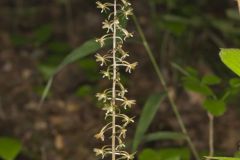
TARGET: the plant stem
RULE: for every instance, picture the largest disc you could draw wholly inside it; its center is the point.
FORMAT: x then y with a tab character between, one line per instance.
211	135
114	83
238	2
163	82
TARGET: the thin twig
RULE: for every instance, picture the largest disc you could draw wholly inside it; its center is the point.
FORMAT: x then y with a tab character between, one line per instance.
163	82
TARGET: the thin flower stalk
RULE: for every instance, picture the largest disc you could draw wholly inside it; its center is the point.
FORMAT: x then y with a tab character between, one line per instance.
114	99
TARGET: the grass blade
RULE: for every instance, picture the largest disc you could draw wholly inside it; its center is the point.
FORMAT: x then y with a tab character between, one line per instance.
84	50
222	158
148	113
164	135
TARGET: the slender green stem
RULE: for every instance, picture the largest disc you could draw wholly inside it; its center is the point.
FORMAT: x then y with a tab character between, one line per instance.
163	82
238	2
211	135
114	83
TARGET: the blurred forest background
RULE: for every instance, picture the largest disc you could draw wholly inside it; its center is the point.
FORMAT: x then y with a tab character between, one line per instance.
36	35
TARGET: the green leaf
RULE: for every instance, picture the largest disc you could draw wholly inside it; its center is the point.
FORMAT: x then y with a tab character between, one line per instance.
223	158
147	153
43	34
9	148
147	115
59	47
46	71
215	107
90	68
193	84
234	82
211	80
46	91
165	154
192	72
225	26
163	135
237	154
84	50
19	40
231	58
180	69
84	90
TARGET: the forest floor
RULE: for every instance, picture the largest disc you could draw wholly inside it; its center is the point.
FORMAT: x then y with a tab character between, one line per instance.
64	126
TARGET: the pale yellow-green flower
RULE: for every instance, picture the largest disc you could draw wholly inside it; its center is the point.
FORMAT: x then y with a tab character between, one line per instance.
126	33
100	59
99	152
100	135
126	3
107	25
131	66
102	96
128	12
101	41
127	103
103	6
106	74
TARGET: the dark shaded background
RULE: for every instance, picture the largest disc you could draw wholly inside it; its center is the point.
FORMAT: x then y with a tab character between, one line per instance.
35	35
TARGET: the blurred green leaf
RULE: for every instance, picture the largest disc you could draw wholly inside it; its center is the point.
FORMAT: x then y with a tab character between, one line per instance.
188	71
53	59
58	47
176	19
147	153
231	58
165	154
237	154
39	90
84	50
215	107
174	27
43	34
90	68
149	110
211	80
88	64
178	24
225	26
222	158
20	40
163	135
9	148
169	3
235	82
46	90
193	84
180	69
192	72
46	71
84	90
